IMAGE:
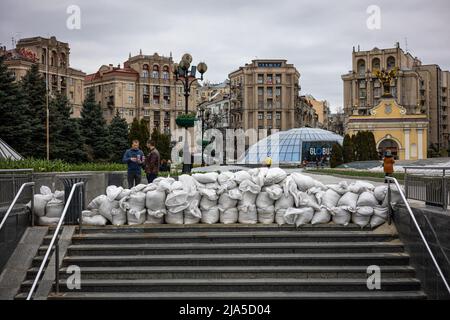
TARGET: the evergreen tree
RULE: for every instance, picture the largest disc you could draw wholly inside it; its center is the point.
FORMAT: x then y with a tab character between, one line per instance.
372	146
336	156
118	137
35	115
162	142
66	142
348	151
135	131
144	135
94	130
14	130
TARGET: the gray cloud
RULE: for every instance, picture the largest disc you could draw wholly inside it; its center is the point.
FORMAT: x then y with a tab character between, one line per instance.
316	36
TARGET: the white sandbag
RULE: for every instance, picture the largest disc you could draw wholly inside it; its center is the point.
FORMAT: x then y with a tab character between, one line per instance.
118	217
349	199
210	216
380	216
188	182
263	200
136	216
341	188
47	221
40	202
258	175
380	193
89	213
340	215
150	187
96	220
45	190
54	208
155	200
225	177
59	195
174	218
307	200
395	196
176	198
235	194
206	203
274	175
164	183
330	199
112	192
366	199
177	185
249	186
284	202
299	216
241	176
266	215
319	195
321	216
229	216
206	177
97	201
138	188
247	214
192	214
275	191
123	194
226	202
155	216
360	187
137	201
306	182
189	218
211	194
362	216
107	206
279	217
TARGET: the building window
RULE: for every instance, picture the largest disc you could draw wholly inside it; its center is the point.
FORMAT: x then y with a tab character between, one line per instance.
146	89
145	71
361	67
155	72
179	103
260	78
390	63
165	74
260	116
166	91
260	91
278	91
269	79
130	99
270	92
146	98
130	86
376	65
278	116
278	79
269	116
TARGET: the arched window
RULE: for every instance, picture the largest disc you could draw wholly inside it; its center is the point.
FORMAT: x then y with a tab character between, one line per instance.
376	64
165	73
44	56
63	60
155	72
145	71
390	63
53	59
361	67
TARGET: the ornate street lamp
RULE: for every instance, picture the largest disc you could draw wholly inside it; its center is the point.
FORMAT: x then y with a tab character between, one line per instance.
187	77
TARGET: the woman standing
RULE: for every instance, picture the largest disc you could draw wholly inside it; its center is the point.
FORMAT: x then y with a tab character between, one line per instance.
388	164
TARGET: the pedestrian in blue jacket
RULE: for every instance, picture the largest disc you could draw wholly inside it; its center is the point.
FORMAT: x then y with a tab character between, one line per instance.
134	158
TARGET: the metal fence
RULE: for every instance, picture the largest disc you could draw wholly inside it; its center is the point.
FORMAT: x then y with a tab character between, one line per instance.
429	184
10	182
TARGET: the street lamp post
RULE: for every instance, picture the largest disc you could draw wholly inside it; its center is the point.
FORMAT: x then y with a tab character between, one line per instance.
187	78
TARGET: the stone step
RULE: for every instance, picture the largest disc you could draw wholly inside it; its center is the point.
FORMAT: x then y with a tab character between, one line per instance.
236	285
223	237
223	248
238	272
361	259
357	295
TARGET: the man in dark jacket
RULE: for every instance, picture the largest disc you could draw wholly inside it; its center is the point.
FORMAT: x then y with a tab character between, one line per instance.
134	158
152	162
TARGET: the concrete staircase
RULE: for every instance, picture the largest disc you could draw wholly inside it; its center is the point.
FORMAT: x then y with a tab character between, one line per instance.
233	261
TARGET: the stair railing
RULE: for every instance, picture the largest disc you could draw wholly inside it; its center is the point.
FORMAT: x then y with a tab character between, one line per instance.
22	187
54	242
408	207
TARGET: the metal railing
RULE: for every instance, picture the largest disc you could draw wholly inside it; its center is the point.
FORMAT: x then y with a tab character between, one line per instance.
402	195
10	182
55	242
22	187
429	184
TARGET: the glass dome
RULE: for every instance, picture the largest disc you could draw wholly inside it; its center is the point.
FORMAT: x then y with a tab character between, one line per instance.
293	146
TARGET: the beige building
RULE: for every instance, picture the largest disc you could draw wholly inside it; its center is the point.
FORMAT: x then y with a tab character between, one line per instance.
265	94
305	114
210	91
143	88
419	89
322	110
53	59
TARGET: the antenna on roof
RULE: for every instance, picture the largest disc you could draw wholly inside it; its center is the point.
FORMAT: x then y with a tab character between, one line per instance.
406	44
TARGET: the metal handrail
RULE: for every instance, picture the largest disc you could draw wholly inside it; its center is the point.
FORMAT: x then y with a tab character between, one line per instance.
389	179
22	187
52	242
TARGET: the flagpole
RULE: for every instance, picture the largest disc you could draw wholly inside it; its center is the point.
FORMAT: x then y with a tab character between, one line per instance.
48	112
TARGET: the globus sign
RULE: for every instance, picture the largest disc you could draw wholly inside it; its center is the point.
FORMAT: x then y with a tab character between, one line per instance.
320	151
314	150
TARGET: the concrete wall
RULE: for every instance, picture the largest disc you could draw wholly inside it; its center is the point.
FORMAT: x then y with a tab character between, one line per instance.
435	225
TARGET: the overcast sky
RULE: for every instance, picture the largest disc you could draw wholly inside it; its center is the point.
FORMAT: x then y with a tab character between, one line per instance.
316	36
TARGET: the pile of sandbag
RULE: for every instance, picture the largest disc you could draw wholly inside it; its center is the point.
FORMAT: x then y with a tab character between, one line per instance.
259	195
48	206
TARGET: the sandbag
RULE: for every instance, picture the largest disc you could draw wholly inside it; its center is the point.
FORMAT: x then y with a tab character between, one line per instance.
360	187
156	200
263	200
274	175
40	202
366	199
209	193
47	221
275	191
259	175
249	186
395	196
206	203
89	213
226	202
136	216
266	215
123	194
210	216
58	195
112	192
380	216
340	215
189	218
106	208
155	216
97	201
176	198
118	217
235	194
307	200
321	216
247	214
279	217
362	216
174	218
96	220
380	193
188	183
241	176
284	202
229	216
330	199
319	195
341	188
164	183
299	216
306	182
349	200
45	190
54	208
138	188
225	177
209	177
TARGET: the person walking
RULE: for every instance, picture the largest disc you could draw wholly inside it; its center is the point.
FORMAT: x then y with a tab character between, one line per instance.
152	162
388	164
134	158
